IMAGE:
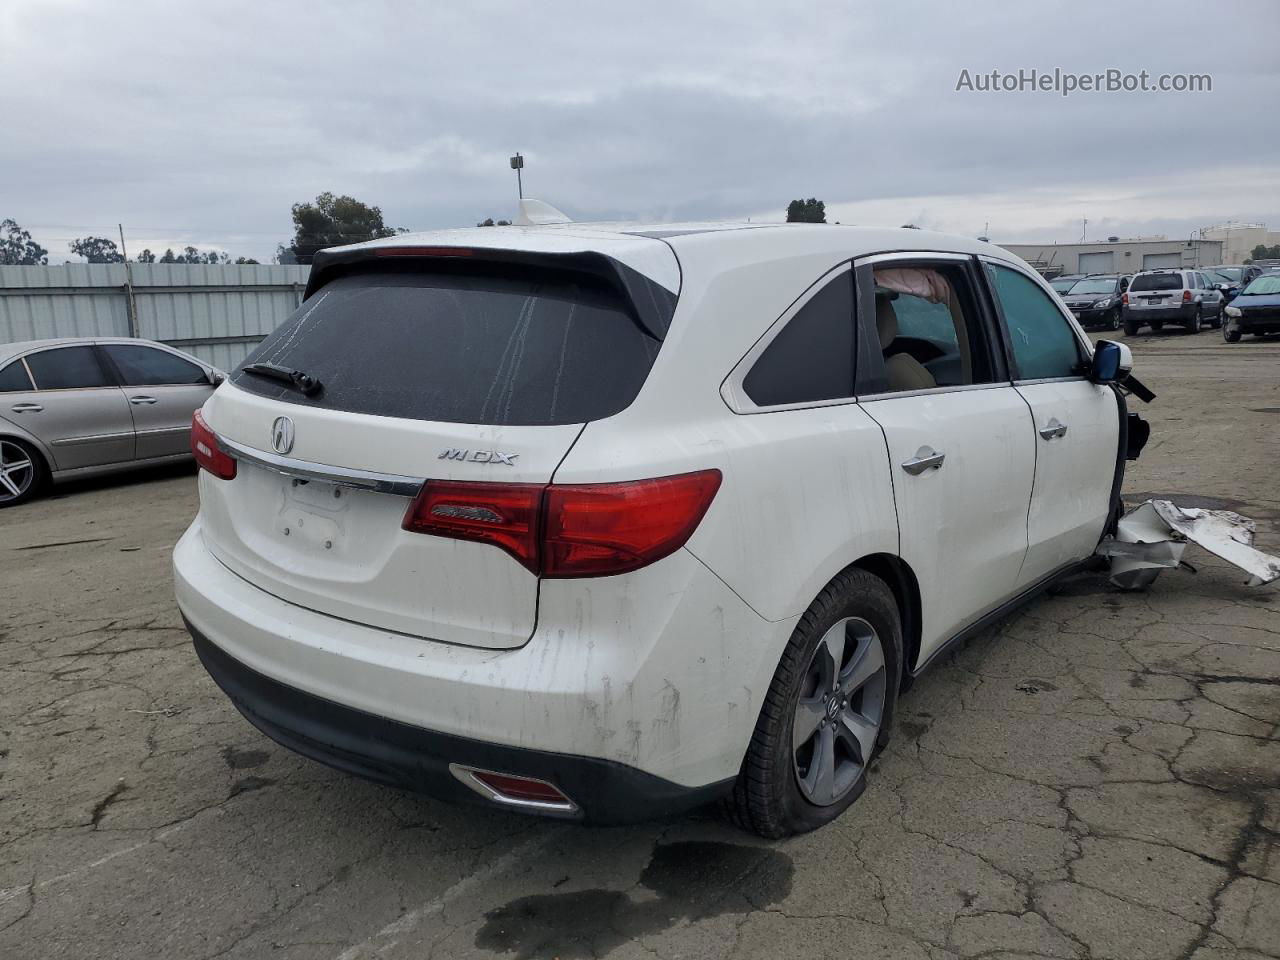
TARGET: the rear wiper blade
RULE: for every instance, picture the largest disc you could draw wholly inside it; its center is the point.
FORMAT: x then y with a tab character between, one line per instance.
307	384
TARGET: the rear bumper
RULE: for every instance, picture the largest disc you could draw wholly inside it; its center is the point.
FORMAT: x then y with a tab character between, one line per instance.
409	757
651	675
1182	312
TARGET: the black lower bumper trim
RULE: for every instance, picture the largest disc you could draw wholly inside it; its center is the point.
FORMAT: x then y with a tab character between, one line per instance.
409	757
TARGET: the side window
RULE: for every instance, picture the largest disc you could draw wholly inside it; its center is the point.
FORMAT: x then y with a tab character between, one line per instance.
929	328
67	368
14	377
148	367
811	358
1044	345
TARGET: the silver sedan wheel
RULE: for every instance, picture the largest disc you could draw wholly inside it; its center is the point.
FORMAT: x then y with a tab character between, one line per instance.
839	712
16	471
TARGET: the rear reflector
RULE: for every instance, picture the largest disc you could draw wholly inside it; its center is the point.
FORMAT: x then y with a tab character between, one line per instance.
204	446
522	789
569	530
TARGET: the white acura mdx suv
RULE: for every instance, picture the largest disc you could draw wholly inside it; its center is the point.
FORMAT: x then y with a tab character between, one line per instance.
606	522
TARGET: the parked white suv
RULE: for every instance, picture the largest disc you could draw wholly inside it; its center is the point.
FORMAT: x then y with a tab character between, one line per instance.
1183	297
605	523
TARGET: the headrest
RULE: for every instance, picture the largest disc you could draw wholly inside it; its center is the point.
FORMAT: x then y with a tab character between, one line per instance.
886	321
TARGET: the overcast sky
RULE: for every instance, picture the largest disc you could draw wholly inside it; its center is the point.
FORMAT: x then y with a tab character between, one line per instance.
203	123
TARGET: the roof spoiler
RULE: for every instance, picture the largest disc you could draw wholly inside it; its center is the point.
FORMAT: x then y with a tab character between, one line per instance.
652	305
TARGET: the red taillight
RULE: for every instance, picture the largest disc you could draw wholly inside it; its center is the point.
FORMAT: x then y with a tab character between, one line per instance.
570	530
598	529
1186	296
503	514
1125	299
204	445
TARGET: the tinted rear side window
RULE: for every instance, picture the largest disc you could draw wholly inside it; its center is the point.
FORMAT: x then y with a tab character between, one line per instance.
14	377
811	358
462	348
67	368
1157	281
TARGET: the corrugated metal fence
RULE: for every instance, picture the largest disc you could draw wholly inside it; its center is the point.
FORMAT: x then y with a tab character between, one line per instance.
217	312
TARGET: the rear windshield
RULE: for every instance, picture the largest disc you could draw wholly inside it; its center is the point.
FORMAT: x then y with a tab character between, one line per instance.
530	349
1156	281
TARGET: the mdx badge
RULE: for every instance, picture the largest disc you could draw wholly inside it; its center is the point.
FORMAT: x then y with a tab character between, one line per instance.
282	435
479	456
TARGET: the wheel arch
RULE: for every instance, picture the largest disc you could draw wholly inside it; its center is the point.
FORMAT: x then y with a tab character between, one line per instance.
901	579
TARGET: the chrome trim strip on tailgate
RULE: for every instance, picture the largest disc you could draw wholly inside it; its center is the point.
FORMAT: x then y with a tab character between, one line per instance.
342	476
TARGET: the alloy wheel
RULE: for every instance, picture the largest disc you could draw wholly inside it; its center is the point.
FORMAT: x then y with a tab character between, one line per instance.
16	471
838	715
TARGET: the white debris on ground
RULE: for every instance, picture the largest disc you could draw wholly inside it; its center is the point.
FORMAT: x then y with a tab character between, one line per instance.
1152	537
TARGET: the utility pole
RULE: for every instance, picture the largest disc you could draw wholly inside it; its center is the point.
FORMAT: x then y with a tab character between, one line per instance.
517	164
131	305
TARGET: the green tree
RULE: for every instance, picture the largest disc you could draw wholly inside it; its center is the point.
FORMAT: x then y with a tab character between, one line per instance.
192	255
96	250
331	222
806	211
245	260
146	256
1260	252
18	249
488	222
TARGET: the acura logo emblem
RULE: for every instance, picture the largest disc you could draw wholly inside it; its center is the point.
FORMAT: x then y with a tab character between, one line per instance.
282	435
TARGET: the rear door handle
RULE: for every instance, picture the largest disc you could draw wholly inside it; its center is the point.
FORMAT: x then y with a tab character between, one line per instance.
26	408
141	401
1053	429
926	458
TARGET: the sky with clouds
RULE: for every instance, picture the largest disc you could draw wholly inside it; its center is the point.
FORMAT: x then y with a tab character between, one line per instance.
203	123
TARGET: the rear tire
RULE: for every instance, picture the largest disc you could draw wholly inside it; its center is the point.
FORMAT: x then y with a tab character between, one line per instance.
1131	326
828	711
22	472
1193	325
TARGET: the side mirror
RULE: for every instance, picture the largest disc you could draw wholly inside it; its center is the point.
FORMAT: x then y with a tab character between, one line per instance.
1111	362
217	377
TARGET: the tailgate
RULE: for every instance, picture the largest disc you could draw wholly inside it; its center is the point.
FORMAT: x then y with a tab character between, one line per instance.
320	529
471	372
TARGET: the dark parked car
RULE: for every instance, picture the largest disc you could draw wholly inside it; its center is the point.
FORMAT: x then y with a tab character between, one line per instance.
1065	282
1096	300
1256	310
1242	274
1229	285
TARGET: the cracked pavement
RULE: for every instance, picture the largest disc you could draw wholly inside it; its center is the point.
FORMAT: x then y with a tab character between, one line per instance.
1098	777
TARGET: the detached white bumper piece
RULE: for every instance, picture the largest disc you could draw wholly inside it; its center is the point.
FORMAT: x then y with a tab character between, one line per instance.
1152	537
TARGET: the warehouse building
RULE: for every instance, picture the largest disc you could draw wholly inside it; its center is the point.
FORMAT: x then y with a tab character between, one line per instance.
1114	255
1239	239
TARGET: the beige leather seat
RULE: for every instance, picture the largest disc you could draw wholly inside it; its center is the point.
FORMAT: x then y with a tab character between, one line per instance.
904	371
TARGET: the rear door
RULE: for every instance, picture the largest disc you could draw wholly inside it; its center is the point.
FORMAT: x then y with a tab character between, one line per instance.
958	436
442	372
77	409
1076	425
163	390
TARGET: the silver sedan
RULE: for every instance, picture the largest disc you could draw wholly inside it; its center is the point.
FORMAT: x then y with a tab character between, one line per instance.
76	407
